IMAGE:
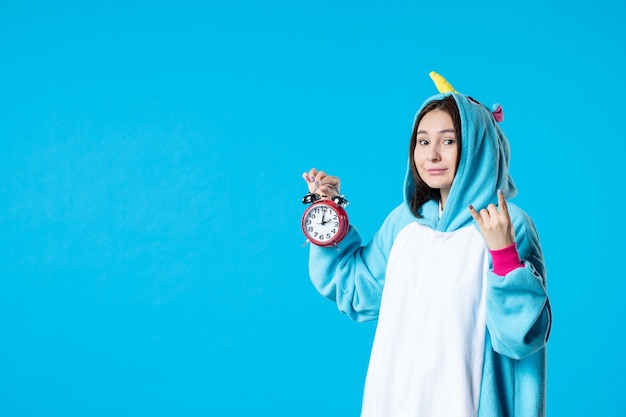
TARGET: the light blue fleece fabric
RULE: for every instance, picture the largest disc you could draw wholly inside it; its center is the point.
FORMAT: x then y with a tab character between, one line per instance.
518	315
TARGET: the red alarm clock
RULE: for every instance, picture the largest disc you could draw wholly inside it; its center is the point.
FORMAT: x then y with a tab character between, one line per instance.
325	222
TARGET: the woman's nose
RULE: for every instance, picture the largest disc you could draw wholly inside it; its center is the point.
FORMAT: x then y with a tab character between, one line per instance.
433	155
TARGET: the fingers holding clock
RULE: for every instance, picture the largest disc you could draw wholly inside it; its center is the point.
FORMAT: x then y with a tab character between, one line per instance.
321	183
329	186
311	178
319	178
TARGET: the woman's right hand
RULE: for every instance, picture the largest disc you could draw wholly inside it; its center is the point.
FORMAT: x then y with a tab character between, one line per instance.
319	183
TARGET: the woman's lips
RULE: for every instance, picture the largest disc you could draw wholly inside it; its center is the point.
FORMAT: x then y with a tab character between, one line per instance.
436	171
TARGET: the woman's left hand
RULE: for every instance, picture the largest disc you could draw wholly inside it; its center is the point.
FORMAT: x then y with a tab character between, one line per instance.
495	224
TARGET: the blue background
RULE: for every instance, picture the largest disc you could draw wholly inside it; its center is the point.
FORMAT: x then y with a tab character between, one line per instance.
151	259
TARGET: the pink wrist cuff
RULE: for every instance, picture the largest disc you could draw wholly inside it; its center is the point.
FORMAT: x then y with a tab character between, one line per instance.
505	260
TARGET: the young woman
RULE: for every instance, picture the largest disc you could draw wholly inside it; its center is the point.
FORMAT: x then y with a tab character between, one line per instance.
455	276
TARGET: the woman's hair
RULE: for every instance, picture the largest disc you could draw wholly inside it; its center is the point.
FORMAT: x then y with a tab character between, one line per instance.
422	192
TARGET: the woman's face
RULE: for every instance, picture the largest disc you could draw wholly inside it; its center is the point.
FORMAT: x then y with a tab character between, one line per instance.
435	154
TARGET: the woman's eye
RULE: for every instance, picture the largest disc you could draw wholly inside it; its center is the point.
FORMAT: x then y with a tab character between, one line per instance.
422	141
448	141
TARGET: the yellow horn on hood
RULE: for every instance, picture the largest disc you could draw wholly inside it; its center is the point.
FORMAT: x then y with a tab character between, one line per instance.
442	85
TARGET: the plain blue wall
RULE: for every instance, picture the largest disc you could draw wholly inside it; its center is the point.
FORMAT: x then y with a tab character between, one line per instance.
151	259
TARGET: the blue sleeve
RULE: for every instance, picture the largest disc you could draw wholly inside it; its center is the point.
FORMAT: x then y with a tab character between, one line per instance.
353	276
518	309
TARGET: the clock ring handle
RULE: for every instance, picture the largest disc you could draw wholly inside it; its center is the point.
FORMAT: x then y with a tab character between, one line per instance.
338	199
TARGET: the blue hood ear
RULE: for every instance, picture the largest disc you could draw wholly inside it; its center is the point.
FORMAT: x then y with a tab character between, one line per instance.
497	112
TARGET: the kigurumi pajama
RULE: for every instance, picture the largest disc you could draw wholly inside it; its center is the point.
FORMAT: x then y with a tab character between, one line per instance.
453	338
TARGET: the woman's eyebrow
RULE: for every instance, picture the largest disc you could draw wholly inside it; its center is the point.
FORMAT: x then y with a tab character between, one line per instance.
441	131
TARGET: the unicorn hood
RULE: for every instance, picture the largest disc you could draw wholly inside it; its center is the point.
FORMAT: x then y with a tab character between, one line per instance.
483	165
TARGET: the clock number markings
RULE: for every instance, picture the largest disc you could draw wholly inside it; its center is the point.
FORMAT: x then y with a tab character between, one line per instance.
322	224
319	230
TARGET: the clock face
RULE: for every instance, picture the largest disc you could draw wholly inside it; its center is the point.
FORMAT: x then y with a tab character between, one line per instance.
324	223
